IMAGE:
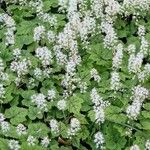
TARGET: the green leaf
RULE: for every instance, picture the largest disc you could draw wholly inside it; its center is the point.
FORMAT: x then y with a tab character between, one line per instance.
74	104
147	106
23	40
48	4
38	129
34	113
17	114
91	115
118	118
26	27
27	94
145	124
146	114
3	144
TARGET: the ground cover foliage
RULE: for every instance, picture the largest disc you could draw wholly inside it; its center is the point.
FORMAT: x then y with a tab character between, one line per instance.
74	75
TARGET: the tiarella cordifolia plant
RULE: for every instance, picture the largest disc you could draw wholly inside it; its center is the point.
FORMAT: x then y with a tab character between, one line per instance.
74	74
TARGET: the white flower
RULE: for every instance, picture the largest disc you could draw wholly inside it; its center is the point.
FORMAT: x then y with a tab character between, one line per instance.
145	73
74	127
47	72
70	68
63	3
2	91
51	94
39	33
139	94
134	147
50	36
60	57
97	7
46	17
83	87
2	118
111	37
117	59
5	126
54	126
38	5
133	110
10	39
131	49
135	6
94	74
37	73
16	53
45	141
17	81
1	65
14	145
20	67
135	62
96	99
115	81
141	30
21	129
99	106
44	54
10	24
144	46
31	140
61	105
99	114
87	26
99	139
40	101
31	82
4	76
147	145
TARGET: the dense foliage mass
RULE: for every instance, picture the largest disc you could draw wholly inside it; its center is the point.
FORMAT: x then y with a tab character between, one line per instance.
74	75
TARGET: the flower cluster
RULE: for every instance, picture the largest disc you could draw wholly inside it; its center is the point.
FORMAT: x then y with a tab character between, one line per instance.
99	140
20	66
99	106
54	126
11	27
94	75
31	140
45	17
139	95
5	127
117	59
44	55
147	145
3	75
134	147
14	145
21	129
145	73
61	105
115	81
45	141
51	94
135	60
40	101
39	33
2	91
74	127
110	39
